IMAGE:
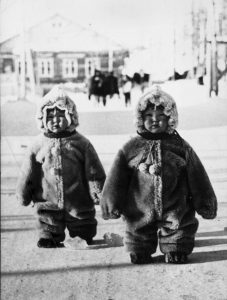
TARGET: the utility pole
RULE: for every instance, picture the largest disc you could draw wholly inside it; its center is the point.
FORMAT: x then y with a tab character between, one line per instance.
174	51
213	90
110	59
31	72
174	43
193	34
110	56
22	81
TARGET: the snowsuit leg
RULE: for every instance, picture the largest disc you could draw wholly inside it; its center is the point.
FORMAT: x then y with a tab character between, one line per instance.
84	228
51	223
181	238
143	239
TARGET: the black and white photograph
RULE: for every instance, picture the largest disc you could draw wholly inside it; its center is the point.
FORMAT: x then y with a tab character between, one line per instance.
113	149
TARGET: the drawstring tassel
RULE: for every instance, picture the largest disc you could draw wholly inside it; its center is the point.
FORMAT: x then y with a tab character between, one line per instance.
152	169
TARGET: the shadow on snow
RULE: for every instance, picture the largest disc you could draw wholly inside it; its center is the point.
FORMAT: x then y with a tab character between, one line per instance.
195	258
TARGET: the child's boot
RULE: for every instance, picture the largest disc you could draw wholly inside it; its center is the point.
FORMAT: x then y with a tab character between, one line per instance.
176	258
140	258
49	243
89	241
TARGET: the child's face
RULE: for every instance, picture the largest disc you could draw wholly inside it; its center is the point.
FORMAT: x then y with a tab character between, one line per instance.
155	120
56	120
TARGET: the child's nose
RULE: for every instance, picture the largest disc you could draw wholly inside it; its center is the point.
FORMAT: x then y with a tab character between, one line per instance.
55	118
154	118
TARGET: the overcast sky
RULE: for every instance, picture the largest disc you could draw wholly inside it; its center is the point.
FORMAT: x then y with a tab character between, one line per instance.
126	21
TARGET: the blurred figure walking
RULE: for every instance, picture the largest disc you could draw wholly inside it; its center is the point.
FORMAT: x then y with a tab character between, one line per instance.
110	86
126	89
96	86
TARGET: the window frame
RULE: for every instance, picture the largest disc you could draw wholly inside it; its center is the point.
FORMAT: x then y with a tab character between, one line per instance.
96	64
46	73
68	63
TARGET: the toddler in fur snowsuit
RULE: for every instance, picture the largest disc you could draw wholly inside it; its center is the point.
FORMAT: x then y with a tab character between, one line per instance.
157	183
62	174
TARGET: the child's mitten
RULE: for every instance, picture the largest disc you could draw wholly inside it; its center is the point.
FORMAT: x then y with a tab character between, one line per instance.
25	201
109	212
208	215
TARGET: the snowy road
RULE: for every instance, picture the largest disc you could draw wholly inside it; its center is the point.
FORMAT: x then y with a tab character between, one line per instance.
103	272
106	273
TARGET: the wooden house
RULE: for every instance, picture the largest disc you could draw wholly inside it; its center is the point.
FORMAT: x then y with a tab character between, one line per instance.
59	50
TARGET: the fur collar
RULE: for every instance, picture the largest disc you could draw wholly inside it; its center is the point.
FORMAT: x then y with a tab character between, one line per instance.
154	136
59	135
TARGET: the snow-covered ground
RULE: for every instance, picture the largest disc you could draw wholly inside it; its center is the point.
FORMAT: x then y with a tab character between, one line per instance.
185	93
102	271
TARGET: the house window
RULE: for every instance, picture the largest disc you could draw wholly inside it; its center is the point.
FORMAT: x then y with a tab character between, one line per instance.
91	63
70	68
46	67
18	67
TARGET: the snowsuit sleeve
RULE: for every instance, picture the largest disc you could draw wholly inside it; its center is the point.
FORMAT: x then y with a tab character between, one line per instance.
115	188
95	173
202	193
28	178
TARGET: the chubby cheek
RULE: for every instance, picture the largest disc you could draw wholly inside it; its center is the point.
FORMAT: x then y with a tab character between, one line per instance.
63	124
147	124
49	124
164	125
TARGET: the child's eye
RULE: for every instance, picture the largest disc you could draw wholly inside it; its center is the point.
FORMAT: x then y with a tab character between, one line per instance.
61	114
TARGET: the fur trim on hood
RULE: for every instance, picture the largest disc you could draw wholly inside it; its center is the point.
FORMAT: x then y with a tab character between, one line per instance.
57	98
157	97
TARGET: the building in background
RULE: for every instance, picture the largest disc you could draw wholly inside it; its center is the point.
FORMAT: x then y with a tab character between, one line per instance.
190	43
58	50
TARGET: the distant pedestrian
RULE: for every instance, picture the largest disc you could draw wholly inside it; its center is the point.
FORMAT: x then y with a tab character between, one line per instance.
96	86
200	74
136	79
158	183
126	89
62	174
110	86
144	80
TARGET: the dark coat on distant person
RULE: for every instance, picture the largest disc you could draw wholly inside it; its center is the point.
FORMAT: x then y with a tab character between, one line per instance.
110	85
96	84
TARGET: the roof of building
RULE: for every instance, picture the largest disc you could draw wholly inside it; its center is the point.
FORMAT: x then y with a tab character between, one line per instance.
58	33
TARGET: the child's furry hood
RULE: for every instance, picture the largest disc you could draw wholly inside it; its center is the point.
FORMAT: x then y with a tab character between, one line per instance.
57	98
157	97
